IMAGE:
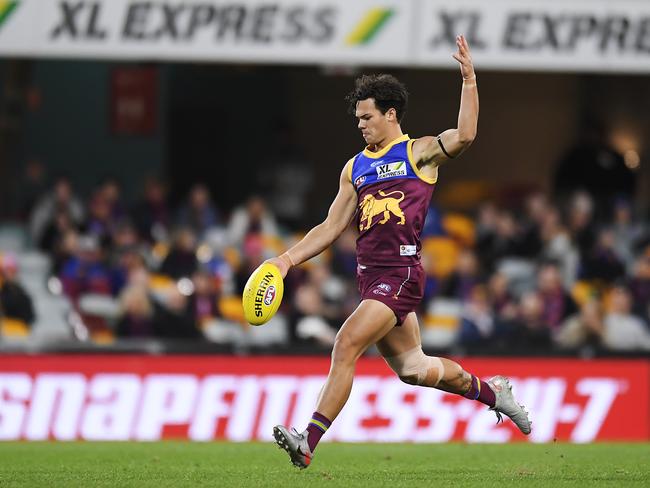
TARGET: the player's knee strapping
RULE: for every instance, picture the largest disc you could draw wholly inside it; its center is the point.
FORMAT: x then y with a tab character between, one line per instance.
414	367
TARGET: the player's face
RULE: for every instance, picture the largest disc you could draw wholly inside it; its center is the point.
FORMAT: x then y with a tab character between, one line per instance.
372	123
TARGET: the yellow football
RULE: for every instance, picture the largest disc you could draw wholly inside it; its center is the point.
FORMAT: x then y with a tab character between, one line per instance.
262	294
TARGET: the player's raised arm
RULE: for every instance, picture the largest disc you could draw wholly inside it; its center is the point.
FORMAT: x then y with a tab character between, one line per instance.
324	234
432	151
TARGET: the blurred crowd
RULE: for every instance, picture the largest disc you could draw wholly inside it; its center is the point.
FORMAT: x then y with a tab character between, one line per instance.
547	277
539	276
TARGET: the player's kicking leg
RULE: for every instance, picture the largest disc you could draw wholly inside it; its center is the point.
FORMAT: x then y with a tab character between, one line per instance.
370	322
402	350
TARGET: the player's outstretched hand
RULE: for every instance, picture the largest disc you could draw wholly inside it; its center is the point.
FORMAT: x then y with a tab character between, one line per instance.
464	58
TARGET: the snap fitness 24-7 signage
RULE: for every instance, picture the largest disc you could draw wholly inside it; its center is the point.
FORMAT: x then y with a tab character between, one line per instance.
240	399
574	35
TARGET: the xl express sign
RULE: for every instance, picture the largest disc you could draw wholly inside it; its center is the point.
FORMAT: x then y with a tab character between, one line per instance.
241	399
596	35
241	30
578	35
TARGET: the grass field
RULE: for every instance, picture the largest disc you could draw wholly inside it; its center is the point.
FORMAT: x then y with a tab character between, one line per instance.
260	465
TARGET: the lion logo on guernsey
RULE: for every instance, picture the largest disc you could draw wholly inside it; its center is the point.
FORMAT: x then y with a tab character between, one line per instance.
371	207
269	296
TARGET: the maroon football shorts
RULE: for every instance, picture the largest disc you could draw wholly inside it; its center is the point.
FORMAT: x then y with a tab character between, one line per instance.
400	288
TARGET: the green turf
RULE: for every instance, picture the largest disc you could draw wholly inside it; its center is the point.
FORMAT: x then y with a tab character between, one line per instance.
259	465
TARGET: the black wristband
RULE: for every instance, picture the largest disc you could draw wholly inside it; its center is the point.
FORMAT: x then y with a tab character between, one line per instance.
443	148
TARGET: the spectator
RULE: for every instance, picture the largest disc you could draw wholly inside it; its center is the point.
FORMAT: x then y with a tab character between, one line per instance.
486	225
55	230
181	260
137	317
581	223
287	177
220	269
199	213
99	222
110	190
640	286
310	325
151	215
477	320
344	259
557	245
584	328
626	232
602	263
332	291
177	318
622	330
205	300
460	284
506	242
205	304
142	317
15	302
537	207
66	248
85	271
529	329
253	218
557	304
128	260
502	303
124	235
253	253
60	200
595	167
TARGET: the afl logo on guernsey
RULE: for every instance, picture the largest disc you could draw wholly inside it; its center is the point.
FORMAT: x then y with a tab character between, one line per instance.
269	296
359	181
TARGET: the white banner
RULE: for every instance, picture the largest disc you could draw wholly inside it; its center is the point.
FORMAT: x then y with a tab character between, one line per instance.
284	31
573	35
576	35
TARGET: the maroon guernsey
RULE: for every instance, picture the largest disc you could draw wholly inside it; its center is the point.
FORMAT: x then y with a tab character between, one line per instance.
393	198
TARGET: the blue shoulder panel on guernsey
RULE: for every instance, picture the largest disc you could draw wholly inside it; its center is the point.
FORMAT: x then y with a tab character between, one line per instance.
394	162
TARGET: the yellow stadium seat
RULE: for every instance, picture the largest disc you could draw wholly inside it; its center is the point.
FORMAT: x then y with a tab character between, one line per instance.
160	251
231	308
13	328
443	313
103	337
441	321
441	256
606	301
583	291
160	282
232	257
460	228
465	195
273	243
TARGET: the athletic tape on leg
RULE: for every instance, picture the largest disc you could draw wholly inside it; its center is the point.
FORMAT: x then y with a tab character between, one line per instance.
415	363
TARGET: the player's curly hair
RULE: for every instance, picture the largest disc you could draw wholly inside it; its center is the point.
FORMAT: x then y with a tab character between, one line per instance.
387	91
